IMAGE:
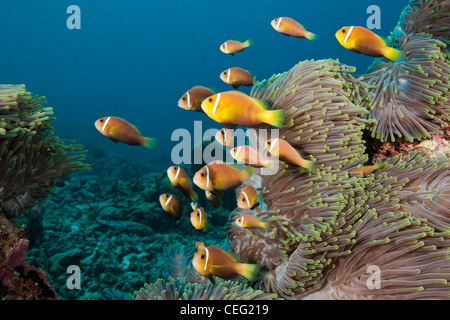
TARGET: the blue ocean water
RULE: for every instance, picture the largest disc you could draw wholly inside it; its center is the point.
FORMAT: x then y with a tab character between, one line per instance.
134	59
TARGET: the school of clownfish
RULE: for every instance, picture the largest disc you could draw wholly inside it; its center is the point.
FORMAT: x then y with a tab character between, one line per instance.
231	109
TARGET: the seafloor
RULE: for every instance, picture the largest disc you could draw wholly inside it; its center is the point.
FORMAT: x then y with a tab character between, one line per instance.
108	221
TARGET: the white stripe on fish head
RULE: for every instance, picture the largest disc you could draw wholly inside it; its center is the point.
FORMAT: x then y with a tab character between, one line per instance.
226	47
242	221
348	34
237	152
178	172
216	103
106	122
273	145
207	258
207	176
278	24
168	200
228	76
246	198
189	99
200	214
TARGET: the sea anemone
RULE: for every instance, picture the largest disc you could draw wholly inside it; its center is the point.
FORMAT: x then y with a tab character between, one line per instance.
33	160
328	226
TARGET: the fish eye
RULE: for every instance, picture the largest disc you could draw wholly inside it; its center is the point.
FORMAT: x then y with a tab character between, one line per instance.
224	72
276	19
202	174
243	199
268	142
210	99
198	214
167	195
184	98
101	120
343	30
175	168
203	256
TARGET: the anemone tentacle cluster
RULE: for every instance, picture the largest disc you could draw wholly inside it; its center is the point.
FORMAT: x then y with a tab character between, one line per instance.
33	160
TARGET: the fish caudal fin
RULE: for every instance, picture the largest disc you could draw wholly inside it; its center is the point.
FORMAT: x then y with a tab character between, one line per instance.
248	172
265	224
248	43
311	36
392	54
149	143
274	118
250	271
193	196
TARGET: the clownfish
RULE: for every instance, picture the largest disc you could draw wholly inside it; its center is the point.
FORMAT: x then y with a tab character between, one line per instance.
285	152
248	198
362	40
172	205
249	156
213	198
192	99
232	46
180	180
237	77
199	219
225	137
213	261
366	170
120	130
290	27
218	176
236	108
250	221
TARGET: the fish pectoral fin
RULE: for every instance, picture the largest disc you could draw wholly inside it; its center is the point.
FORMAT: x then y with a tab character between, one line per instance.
216	268
211	278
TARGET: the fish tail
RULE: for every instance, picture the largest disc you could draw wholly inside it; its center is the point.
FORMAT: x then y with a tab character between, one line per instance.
149	143
265	224
311	36
248	43
307	164
274	118
193	196
248	172
392	54
250	271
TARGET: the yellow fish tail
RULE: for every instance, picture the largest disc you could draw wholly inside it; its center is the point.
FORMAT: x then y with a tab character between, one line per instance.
274	118
250	271
248	172
149	143
265	225
392	54
311	36
194	196
248	43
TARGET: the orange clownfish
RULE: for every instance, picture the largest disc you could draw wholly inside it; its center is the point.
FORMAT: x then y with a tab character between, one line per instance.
120	130
362	40
232	46
213	198
172	205
225	137
236	108
180	180
237	77
248	198
285	152
218	176
192	99
290	27
250	221
249	156
213	261
199	219
366	170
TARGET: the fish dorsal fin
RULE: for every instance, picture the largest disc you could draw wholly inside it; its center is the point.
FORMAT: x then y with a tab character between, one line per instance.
261	103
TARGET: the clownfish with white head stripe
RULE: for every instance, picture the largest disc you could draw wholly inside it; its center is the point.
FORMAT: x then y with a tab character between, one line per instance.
193	98
250	157
231	46
250	221
225	137
120	130
248	198
287	153
237	77
219	176
172	205
362	40
180	180
199	219
290	27
214	261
